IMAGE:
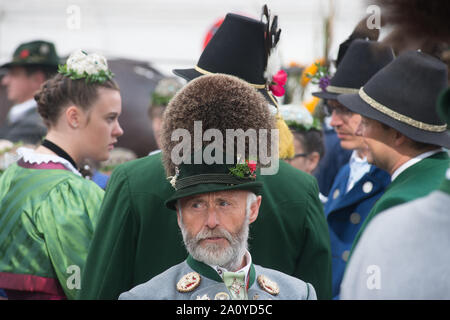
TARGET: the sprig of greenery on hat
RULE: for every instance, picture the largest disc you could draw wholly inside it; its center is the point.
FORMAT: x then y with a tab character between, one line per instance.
244	170
92	67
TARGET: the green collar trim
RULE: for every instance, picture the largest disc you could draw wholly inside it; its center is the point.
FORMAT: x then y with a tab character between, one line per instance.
442	155
210	273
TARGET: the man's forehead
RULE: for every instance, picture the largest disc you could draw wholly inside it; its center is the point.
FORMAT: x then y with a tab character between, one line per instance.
217	194
335	103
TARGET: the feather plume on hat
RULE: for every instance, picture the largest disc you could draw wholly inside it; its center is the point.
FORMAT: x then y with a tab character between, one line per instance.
273	65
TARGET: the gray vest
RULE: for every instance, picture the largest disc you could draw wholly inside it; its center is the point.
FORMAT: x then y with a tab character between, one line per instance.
210	286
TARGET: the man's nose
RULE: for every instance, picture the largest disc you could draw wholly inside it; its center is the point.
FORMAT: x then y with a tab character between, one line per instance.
212	218
336	119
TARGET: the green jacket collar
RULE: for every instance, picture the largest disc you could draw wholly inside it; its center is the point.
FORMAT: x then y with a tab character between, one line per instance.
421	165
206	271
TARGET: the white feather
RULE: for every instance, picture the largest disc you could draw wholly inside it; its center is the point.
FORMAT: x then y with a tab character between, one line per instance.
273	64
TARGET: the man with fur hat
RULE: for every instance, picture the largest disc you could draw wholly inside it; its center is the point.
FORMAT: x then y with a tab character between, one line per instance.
358	184
290	234
216	202
403	244
33	63
401	128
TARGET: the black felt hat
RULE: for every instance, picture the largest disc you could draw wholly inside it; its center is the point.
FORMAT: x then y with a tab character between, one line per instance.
238	49
403	95
197	178
361	61
34	53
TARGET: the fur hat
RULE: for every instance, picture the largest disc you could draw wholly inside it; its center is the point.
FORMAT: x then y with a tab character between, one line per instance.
220	102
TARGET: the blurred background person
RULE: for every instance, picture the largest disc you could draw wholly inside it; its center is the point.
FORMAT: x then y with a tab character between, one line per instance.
308	137
358	184
48	211
164	92
32	64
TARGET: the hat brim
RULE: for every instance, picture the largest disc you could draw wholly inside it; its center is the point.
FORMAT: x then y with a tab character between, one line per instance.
190	74
255	187
354	103
18	64
325	95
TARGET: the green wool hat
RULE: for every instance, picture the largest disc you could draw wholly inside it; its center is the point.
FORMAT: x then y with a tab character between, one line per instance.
35	53
192	179
443	106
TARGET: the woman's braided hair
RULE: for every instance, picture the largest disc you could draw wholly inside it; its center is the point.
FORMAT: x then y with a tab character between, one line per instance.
60	91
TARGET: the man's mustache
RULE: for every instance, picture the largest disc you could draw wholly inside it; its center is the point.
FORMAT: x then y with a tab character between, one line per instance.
214	233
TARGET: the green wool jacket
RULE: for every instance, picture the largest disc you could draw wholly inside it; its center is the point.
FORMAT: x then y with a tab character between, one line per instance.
137	237
415	182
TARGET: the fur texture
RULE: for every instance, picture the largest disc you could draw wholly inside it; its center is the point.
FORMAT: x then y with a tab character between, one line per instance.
419	17
221	102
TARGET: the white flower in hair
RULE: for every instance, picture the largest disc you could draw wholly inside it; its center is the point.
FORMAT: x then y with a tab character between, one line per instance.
298	116
92	66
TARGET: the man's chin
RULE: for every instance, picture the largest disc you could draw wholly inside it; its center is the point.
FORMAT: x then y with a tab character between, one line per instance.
213	254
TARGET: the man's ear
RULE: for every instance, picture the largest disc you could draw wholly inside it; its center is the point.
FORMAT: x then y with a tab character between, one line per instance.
254	209
399	138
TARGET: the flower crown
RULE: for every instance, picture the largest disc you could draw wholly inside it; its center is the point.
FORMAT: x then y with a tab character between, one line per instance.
298	117
93	67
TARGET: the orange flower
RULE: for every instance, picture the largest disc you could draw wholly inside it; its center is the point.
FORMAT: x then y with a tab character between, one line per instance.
311	104
311	69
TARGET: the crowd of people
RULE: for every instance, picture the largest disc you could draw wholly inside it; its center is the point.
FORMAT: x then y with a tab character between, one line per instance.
356	208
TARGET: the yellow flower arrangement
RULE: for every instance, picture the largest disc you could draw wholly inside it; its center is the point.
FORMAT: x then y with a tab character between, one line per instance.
310	70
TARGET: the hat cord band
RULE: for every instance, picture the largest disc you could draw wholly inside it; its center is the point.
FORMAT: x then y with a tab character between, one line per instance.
341	90
400	117
216	178
256	86
203	71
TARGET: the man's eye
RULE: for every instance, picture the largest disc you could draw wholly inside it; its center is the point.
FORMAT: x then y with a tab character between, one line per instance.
223	203
197	205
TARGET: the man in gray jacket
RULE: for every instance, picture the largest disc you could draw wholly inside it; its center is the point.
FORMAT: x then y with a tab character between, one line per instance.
216	201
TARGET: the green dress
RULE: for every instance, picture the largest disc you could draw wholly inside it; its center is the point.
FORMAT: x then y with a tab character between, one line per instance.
137	237
415	182
47	219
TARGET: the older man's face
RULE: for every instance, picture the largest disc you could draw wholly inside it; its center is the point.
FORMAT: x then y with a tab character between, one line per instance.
215	226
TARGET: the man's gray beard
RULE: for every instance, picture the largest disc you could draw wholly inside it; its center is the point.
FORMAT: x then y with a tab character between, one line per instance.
229	258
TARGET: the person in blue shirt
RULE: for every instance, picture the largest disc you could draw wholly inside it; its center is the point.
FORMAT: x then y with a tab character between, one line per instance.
358	185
